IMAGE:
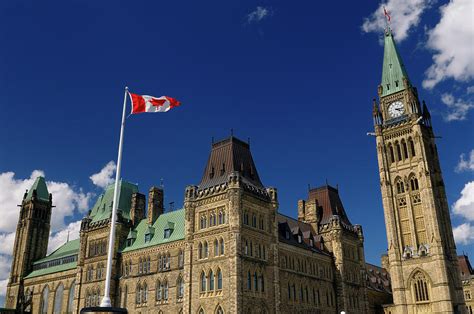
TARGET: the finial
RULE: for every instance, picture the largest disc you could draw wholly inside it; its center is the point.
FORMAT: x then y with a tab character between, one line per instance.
162	185
231	132
327	182
126	88
67	236
212	140
309	187
248	140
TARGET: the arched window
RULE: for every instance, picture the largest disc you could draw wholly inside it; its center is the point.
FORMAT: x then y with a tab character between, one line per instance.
399	152
414	184
255	281
211	280
180	287
400	186
246	248
70	300
220	220
262	283
144	293
392	155
254	221
420	287
181	259
138	294
216	248
412	147
159	287
206	250
201	311
58	298
405	149
222	246
249	281
219	279
200	251
140	265
219	310
203	221
44	300
165	291
203	282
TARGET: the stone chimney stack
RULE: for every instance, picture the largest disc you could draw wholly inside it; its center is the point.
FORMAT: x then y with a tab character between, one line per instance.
137	209
155	204
301	210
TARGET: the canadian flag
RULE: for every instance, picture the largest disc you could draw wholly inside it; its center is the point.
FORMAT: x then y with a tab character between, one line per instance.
145	103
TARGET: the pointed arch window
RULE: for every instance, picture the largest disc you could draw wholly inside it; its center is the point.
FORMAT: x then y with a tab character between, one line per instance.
420	287
216	248
219	279
203	282
201	311
414	184
180	287
249	281
255	281
392	155
70	299
211	280
159	287
181	259
206	250
221	246
412	147
399	152
165	291
405	149
58	299
200	251
400	186
219	310
44	300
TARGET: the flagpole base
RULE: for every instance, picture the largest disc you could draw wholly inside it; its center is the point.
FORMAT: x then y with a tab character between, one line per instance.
105	302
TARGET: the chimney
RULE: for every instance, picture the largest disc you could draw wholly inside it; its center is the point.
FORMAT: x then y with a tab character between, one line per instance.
137	209
301	210
155	204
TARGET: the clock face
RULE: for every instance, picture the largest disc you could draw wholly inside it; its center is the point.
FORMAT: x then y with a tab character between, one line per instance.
396	109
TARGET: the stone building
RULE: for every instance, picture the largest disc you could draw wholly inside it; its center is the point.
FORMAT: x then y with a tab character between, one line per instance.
228	250
467	278
422	259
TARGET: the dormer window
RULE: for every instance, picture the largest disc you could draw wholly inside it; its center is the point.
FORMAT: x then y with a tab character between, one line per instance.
396	83
147	238
129	242
311	242
388	86
299	238
167	233
287	235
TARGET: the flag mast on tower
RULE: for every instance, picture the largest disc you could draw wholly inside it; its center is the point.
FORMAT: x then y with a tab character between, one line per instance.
140	103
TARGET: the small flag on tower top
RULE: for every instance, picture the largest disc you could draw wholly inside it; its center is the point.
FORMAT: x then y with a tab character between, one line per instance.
387	15
145	103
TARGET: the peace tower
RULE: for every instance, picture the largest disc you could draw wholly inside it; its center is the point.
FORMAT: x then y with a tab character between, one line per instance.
421	252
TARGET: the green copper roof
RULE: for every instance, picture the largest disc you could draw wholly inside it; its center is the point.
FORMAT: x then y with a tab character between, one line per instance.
67	249
41	190
51	270
103	207
163	222
393	70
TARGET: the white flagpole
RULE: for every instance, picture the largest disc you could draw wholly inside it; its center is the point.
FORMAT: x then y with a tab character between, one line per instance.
106	299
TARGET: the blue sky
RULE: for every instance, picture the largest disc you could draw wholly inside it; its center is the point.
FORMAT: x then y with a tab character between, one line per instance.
298	79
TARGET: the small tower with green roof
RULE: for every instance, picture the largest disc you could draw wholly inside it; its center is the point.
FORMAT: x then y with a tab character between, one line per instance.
31	239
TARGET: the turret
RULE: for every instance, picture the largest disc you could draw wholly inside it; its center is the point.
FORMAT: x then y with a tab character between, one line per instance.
155	204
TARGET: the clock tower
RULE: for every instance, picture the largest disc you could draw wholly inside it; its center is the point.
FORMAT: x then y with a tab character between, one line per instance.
422	258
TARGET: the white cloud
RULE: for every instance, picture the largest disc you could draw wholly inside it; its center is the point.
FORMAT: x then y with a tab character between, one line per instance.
66	199
7	240
457	108
105	176
466	164
404	14
452	39
464	234
464	206
258	14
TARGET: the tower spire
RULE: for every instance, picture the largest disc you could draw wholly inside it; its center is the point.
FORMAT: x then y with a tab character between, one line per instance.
394	74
